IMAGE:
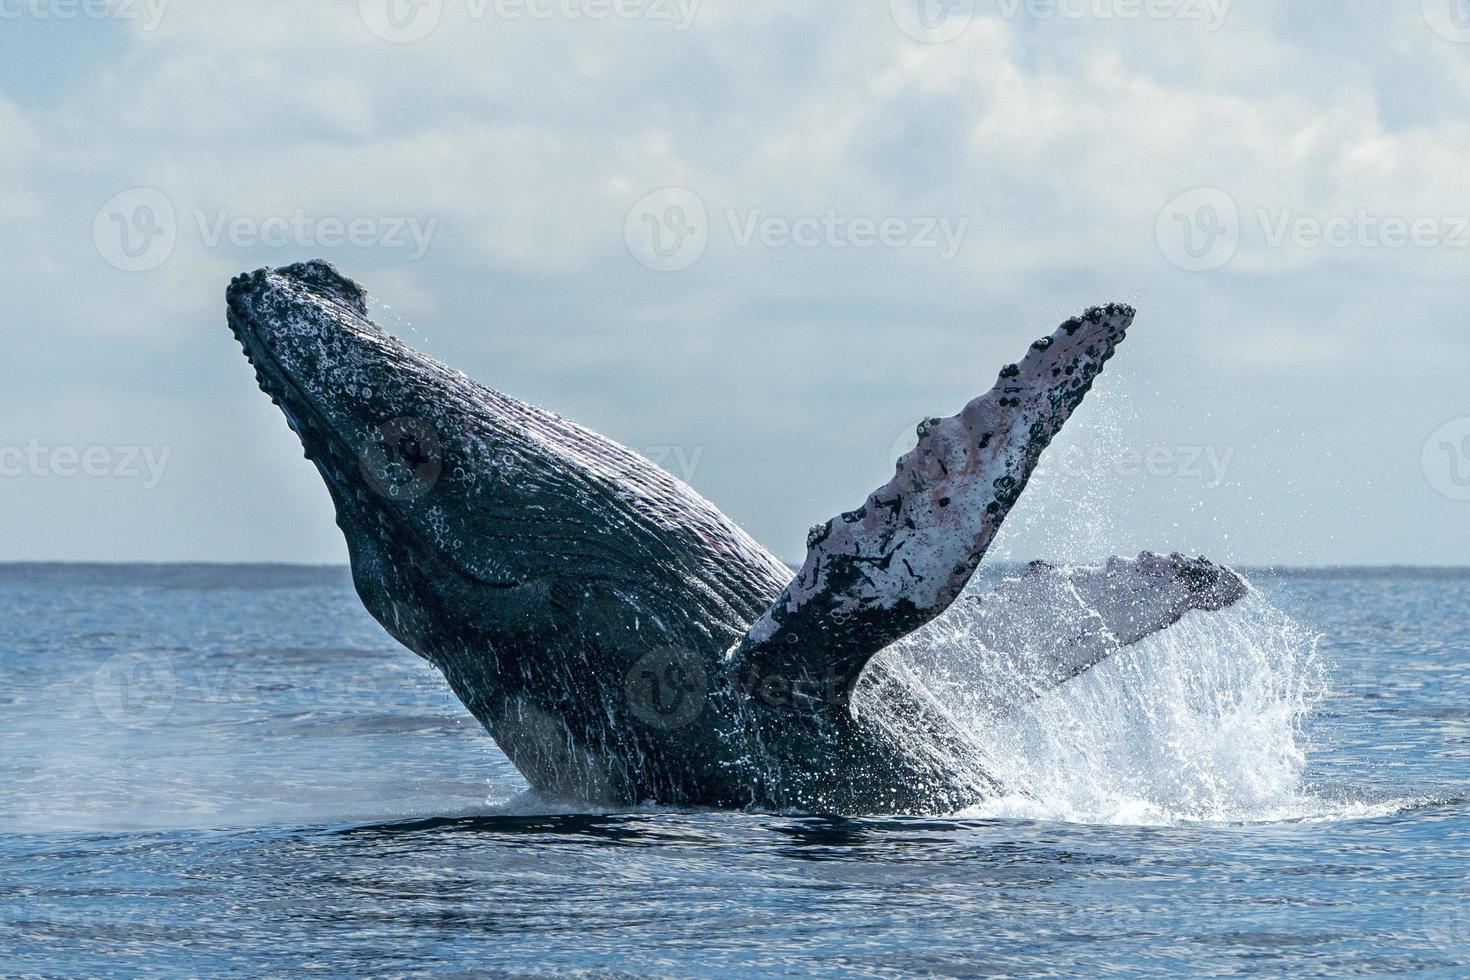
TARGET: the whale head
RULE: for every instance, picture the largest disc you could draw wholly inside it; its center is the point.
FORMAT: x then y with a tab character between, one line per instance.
377	419
536	563
453	495
330	370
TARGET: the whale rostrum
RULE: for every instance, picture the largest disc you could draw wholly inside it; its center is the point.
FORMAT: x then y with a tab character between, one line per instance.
622	640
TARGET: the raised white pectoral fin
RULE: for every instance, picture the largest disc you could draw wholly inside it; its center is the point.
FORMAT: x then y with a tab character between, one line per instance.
874	574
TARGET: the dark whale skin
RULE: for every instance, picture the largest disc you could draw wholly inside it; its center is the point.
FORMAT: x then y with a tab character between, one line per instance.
621	639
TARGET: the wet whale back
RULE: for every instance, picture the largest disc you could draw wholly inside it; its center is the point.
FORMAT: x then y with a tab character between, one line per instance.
430	468
543	493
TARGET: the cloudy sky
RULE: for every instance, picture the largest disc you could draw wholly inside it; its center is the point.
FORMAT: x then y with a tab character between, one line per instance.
757	245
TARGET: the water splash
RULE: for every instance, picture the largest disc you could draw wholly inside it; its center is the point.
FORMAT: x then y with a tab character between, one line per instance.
1070	510
1201	722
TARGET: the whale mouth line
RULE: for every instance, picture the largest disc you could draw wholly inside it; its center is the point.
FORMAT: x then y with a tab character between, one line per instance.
270	376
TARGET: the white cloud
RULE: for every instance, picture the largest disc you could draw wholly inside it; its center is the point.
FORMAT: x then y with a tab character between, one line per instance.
527	141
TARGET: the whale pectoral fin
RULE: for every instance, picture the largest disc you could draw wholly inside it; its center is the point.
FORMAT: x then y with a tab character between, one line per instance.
1038	630
874	574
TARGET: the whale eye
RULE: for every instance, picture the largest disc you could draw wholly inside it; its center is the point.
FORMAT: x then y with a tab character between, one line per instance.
412	451
402	459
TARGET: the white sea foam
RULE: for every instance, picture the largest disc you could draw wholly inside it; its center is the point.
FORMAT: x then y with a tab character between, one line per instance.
1201	722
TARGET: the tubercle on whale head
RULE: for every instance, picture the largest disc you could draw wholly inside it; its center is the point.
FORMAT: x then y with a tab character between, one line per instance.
304	328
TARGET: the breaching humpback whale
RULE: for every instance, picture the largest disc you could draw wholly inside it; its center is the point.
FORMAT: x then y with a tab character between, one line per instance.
621	639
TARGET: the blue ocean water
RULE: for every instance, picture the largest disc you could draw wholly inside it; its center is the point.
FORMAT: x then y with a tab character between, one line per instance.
209	770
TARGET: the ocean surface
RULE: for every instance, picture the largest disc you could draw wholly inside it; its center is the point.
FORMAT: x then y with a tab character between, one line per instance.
209	770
